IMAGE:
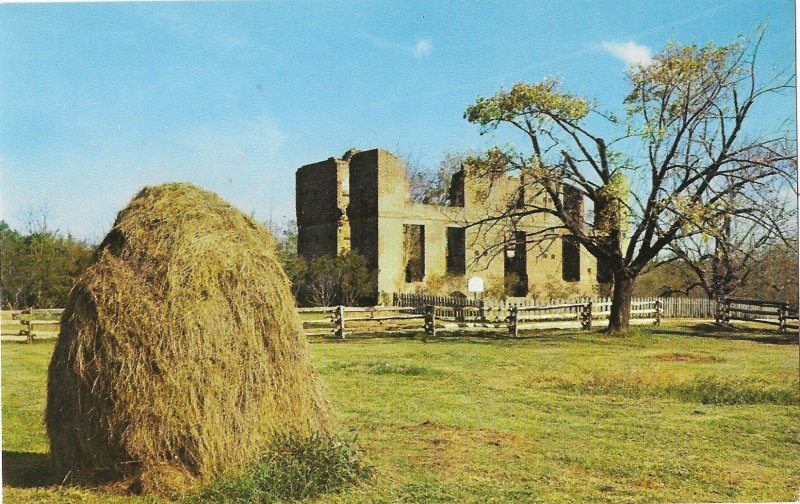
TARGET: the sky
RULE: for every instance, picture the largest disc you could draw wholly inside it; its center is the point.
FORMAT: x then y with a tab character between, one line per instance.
98	100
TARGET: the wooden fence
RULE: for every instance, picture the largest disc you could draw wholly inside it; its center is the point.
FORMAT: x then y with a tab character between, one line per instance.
779	313
415	312
28	319
671	307
334	320
471	316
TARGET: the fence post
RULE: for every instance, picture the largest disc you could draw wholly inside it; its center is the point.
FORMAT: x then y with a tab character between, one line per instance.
513	321
430	320
482	311
782	315
27	323
658	312
726	311
338	320
586	316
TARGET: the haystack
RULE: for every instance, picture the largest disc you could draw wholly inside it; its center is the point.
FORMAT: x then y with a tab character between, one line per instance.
181	353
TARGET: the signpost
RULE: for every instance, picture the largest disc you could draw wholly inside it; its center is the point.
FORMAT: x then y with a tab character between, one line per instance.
475	285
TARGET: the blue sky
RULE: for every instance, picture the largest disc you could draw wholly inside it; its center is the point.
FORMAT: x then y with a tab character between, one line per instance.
99	100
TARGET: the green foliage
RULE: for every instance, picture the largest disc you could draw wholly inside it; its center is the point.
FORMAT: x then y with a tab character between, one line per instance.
703	389
321	284
39	268
294	468
678	82
325	280
357	282
345	279
294	266
554	288
541	101
386	368
438	284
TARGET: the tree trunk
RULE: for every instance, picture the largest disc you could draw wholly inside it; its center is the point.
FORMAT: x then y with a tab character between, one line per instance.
619	320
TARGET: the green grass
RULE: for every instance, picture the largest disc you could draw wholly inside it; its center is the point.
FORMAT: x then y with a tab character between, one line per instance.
294	468
676	414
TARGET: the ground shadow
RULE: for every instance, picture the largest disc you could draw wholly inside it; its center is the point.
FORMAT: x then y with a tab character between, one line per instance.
767	335
27	470
490	336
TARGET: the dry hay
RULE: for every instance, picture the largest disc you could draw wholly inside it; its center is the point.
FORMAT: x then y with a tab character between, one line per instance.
180	353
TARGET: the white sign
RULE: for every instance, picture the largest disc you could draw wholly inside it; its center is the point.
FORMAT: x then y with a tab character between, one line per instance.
475	284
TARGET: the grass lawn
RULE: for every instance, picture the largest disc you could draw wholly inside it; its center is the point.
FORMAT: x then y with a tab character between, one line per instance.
675	414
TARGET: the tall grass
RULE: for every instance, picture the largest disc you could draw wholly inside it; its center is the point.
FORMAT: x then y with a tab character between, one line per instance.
294	468
704	389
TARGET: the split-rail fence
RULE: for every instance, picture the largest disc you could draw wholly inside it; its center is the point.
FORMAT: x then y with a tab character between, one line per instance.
412	313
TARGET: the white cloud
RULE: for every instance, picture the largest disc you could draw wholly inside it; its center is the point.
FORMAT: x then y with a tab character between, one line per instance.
422	48
629	52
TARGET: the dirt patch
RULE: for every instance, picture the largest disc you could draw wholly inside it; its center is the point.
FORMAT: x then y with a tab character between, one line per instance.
448	449
435	434
683	357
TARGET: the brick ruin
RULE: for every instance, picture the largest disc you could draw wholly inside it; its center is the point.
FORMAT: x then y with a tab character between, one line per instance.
361	202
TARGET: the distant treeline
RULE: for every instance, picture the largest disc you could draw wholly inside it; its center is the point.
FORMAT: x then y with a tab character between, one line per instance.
38	268
769	272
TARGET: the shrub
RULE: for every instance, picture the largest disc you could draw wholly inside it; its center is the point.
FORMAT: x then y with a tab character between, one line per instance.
294	468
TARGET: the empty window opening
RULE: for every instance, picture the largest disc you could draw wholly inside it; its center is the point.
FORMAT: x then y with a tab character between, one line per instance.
414	251
570	259
604	271
520	197
516	265
456	250
573	204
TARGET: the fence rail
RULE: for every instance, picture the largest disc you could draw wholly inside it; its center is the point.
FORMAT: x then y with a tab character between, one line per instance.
765	311
459	314
27	318
414	312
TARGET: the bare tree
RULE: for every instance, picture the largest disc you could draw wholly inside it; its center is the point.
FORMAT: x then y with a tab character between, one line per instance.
724	262
432	186
680	153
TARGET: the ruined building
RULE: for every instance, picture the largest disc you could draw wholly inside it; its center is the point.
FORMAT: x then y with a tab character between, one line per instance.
361	202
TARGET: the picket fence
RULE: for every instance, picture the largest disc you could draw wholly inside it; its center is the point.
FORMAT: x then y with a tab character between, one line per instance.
671	307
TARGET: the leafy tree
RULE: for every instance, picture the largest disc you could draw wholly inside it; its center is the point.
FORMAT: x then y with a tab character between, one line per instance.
322	281
13	267
681	149
344	279
294	266
358	283
39	268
